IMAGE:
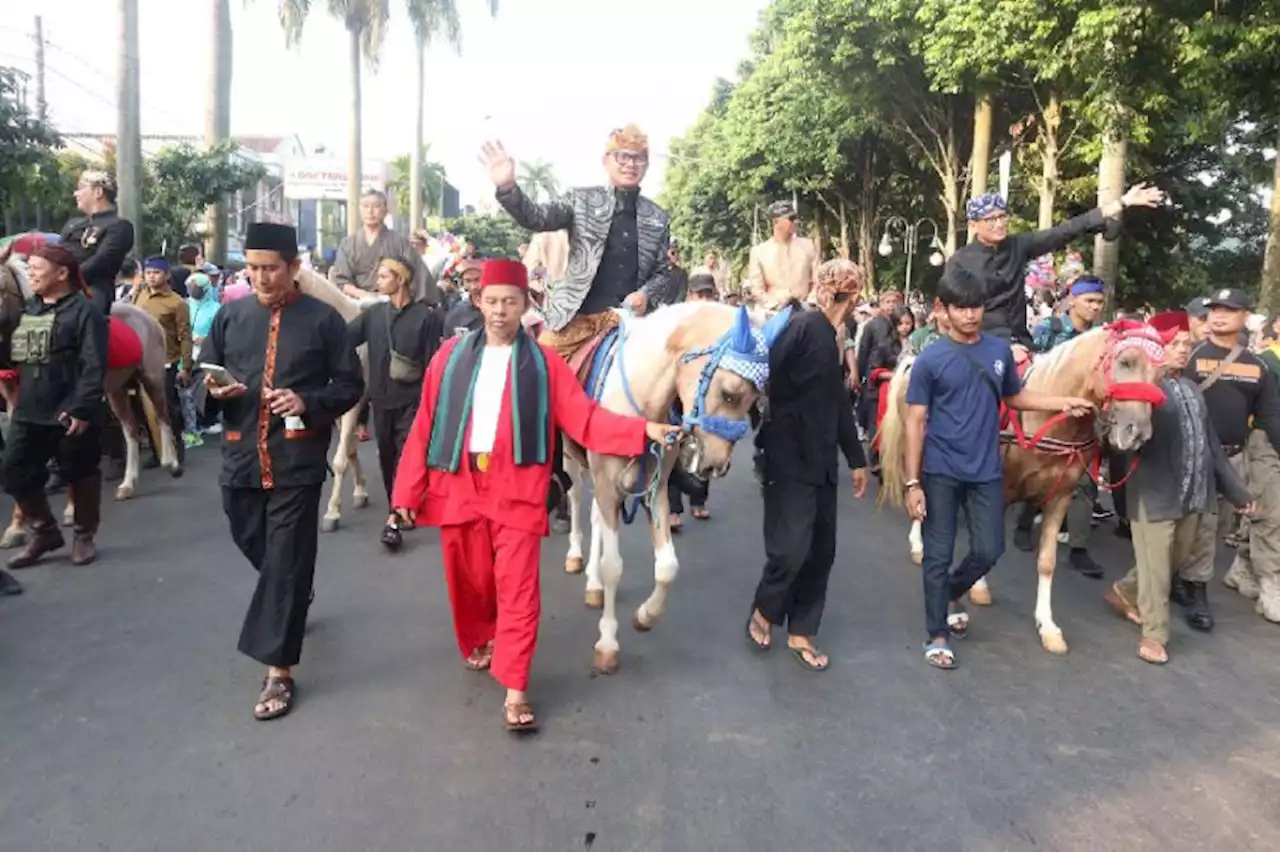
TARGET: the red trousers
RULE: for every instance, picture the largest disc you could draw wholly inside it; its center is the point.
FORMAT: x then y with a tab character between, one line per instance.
492	572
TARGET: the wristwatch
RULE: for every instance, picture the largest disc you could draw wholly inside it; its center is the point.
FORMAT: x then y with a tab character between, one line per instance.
910	483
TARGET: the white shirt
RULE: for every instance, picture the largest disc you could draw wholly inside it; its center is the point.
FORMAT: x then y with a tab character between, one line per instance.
486	399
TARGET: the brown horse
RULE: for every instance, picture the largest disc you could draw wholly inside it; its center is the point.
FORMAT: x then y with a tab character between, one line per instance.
1117	368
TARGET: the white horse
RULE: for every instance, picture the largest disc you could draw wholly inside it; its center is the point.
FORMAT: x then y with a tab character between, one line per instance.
713	360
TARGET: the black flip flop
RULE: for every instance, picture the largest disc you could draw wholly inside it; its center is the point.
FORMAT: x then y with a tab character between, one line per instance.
761	647
798	651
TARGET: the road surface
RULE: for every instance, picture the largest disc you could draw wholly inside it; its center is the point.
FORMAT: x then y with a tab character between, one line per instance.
127	710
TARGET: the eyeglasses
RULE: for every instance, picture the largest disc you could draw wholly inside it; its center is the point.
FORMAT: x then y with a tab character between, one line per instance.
998	219
630	158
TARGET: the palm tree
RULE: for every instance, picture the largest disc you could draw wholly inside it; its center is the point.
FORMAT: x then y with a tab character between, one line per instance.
430	184
431	19
536	178
366	25
217	122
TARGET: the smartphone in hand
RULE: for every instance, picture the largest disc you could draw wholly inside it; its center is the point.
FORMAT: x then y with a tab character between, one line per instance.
219	374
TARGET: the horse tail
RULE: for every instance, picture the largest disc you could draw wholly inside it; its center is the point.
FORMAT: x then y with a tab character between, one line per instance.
893	437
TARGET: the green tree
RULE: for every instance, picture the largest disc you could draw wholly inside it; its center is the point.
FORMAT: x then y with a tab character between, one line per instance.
430	184
27	146
538	179
181	182
493	235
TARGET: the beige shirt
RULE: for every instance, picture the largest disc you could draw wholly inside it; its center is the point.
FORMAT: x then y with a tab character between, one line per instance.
779	271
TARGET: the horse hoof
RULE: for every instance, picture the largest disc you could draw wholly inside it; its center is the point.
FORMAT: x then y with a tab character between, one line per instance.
917	556
979	596
606	662
1053	643
359	500
573	565
176	471
13	538
595	598
124	492
328	524
640	626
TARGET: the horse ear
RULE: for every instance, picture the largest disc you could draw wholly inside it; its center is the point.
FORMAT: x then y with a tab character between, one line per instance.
741	339
774	326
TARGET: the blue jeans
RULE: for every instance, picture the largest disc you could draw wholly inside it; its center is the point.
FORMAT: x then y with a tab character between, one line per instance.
983	503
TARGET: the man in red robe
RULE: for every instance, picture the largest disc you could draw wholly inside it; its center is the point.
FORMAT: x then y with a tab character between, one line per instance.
477	464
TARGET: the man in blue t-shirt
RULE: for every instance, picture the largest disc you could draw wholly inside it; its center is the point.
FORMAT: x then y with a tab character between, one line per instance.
953	453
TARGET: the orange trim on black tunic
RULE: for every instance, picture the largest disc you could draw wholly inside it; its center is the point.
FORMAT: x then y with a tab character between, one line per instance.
264	407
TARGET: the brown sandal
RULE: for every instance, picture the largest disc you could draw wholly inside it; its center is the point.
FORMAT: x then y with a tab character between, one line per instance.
512	714
480	658
1124	607
1151	651
274	689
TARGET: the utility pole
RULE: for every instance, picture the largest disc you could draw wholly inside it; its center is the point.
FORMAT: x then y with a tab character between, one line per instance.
217	121
42	106
129	124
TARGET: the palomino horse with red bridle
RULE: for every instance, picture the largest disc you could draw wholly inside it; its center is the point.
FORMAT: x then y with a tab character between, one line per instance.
714	360
1118	368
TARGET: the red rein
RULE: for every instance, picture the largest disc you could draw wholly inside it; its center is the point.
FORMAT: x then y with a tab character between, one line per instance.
1123	336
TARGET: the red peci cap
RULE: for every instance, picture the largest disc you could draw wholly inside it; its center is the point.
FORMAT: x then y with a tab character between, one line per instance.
1169	324
510	272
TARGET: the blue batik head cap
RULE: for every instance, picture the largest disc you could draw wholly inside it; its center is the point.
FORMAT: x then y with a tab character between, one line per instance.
984	205
156	262
747	353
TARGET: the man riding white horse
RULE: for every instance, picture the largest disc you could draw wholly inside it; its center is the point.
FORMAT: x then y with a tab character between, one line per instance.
618	242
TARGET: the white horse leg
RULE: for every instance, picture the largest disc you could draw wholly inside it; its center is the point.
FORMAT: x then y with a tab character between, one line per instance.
916	540
573	559
360	488
1050	634
119	402
595	586
341	460
606	657
665	565
16	534
153	393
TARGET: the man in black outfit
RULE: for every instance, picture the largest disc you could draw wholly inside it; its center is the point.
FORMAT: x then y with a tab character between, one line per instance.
403	336
809	419
999	260
100	240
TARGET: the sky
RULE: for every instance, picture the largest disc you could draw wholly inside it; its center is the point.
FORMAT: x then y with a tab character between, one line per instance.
550	78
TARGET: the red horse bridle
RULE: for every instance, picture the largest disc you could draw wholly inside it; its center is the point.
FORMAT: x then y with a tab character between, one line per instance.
1124	336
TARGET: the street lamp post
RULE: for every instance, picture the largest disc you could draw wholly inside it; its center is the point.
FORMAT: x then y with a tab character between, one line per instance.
910	234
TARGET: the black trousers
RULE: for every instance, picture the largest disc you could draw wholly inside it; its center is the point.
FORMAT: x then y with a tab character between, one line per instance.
174	403
32	446
683	483
278	532
390	430
800	545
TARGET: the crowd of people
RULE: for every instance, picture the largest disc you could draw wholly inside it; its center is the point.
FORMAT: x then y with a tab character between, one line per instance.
470	383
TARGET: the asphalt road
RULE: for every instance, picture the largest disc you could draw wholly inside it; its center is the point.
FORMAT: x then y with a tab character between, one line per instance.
127	723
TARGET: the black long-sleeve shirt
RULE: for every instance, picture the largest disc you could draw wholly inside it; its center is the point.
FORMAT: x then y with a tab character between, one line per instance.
618	275
415	330
302	346
69	378
1003	268
810	415
1246	389
100	243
